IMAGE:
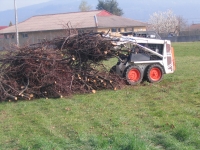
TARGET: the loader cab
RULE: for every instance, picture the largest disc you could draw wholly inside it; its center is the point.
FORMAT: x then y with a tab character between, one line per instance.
141	54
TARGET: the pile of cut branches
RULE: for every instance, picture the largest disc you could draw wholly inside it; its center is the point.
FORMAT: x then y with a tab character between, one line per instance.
57	68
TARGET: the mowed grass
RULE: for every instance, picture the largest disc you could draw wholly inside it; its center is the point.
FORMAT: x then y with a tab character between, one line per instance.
162	116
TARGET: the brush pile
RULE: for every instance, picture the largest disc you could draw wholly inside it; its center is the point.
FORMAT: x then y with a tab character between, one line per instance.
57	68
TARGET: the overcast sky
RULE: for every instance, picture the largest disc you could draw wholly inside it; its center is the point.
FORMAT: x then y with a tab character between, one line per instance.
9	4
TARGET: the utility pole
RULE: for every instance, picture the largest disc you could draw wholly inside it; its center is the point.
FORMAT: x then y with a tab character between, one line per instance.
16	23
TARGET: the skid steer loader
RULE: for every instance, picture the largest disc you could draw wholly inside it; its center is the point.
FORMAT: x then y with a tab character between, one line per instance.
147	58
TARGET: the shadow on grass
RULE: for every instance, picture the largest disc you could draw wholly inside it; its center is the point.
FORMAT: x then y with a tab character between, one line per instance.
162	141
181	134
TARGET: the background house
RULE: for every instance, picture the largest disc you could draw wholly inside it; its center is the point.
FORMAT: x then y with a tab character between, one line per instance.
195	29
38	28
2	37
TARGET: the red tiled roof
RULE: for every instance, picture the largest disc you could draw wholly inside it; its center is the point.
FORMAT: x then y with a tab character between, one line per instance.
3	27
104	13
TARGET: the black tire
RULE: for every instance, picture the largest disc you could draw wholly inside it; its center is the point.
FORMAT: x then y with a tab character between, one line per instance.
154	73
133	75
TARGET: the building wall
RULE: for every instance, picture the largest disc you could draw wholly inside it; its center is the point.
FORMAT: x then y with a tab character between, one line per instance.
140	29
110	32
1	44
6	42
37	37
32	37
119	30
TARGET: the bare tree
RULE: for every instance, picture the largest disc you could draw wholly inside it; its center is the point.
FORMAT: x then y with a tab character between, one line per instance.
84	6
182	24
164	22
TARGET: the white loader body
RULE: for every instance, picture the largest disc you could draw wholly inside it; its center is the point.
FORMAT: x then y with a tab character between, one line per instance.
147	59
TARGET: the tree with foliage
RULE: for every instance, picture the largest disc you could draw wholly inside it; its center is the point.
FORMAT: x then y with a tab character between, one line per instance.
166	22
110	6
10	24
84	6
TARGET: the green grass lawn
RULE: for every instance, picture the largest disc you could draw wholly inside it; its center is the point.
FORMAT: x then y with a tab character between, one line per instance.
162	116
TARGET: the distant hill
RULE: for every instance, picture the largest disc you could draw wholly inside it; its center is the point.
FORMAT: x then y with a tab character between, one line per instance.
137	10
38	9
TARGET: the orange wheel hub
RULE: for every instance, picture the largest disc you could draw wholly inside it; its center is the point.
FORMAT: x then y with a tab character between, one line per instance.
134	75
155	74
